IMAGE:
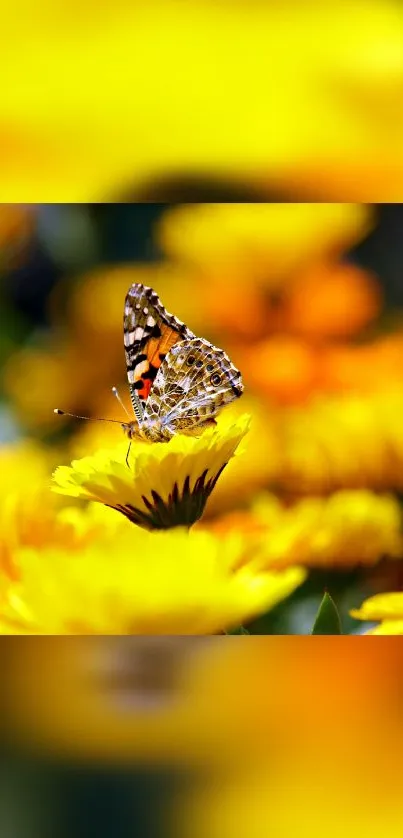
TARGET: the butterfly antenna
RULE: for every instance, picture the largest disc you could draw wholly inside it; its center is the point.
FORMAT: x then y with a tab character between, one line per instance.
116	394
90	418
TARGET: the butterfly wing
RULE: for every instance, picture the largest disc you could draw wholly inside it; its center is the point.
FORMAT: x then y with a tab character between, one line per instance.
150	332
194	382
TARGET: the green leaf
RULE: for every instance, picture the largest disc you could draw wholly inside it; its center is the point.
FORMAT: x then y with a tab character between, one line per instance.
238	630
327	619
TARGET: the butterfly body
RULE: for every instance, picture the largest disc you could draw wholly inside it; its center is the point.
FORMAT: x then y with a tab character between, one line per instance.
178	382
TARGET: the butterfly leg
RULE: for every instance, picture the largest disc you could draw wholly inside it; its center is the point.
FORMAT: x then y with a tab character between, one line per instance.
127	455
197	430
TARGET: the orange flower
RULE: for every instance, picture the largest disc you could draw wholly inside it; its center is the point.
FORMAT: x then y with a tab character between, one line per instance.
366	368
288	369
333	300
239	310
284	368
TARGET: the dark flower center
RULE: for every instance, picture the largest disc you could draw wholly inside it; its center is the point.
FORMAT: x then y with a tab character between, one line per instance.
183	507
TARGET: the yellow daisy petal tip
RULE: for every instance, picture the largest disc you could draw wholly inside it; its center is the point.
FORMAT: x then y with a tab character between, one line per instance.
380	607
162	485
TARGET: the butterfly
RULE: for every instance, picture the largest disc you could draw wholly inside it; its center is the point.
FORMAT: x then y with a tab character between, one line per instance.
178	382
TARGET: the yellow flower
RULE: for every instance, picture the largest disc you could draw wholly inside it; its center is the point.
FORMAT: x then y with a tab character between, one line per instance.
34	517
252	241
165	484
352	442
37	519
26	511
386	608
349	528
140	583
257	468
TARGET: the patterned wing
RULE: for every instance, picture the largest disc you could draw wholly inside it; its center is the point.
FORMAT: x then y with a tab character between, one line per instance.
194	382
149	333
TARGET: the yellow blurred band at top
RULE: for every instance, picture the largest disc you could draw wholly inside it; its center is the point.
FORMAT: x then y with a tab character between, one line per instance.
97	100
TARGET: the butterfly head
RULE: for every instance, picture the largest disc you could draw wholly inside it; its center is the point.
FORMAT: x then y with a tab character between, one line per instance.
130	429
152	430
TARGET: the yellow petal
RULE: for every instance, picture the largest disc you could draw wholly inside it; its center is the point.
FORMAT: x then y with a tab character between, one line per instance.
380	607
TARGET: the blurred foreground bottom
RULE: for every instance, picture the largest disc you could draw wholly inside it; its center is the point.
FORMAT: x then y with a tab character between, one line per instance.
200	737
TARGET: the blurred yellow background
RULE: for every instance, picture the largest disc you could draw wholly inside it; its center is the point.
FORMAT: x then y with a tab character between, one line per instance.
302	99
202	738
